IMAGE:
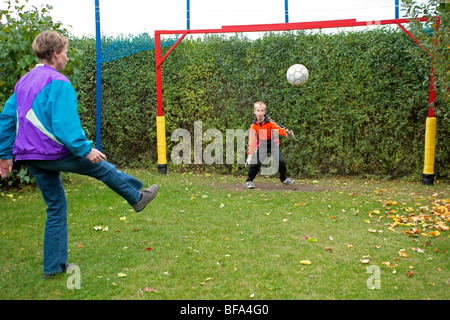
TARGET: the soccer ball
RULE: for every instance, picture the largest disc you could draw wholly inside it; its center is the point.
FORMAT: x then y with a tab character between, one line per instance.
297	74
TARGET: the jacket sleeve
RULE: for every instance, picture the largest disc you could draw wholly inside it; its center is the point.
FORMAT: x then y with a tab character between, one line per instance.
66	122
280	129
8	120
252	140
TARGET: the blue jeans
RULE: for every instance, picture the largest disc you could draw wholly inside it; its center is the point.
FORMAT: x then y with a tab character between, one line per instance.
46	173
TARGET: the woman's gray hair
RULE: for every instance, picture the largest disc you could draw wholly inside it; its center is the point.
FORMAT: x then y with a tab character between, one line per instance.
48	42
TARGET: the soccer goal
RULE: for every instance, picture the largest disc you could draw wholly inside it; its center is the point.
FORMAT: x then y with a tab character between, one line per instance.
428	173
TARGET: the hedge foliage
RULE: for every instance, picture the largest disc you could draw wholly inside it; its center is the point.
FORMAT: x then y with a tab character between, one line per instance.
361	112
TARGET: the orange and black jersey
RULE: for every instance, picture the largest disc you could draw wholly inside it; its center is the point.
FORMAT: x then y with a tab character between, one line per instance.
267	130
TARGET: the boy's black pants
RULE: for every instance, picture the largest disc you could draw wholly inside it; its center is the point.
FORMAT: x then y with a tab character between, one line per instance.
261	154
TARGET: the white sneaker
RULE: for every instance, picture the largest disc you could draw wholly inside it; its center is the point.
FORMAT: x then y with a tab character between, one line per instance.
249	185
288	181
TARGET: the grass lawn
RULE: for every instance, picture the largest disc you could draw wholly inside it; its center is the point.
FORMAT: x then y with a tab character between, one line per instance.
206	237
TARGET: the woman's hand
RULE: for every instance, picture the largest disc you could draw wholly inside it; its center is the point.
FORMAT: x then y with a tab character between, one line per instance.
95	156
5	167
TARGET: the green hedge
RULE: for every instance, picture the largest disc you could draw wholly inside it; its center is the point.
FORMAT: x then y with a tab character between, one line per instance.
361	112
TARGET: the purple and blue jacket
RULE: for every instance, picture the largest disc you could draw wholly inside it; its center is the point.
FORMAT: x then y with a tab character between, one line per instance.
40	120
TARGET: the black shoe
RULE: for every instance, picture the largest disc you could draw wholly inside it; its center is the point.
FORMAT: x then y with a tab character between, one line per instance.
52	275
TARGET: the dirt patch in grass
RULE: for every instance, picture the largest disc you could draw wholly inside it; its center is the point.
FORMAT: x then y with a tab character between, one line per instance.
268	186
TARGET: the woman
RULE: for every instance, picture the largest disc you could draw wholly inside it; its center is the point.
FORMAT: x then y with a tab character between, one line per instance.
40	126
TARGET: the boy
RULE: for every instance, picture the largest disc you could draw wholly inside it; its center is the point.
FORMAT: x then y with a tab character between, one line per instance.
264	137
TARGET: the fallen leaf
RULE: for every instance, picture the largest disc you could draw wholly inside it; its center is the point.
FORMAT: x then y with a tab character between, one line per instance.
149	289
121	275
148	249
305	262
100	228
364	261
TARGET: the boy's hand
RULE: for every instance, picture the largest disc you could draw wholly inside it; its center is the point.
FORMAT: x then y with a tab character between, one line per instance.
249	160
290	134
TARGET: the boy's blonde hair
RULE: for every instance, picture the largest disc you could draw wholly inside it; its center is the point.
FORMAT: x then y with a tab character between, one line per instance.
259	104
48	42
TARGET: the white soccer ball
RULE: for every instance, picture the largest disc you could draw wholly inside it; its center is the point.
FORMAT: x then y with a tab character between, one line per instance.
297	74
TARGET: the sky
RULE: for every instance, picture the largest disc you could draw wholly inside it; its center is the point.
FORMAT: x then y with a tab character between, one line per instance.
138	16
